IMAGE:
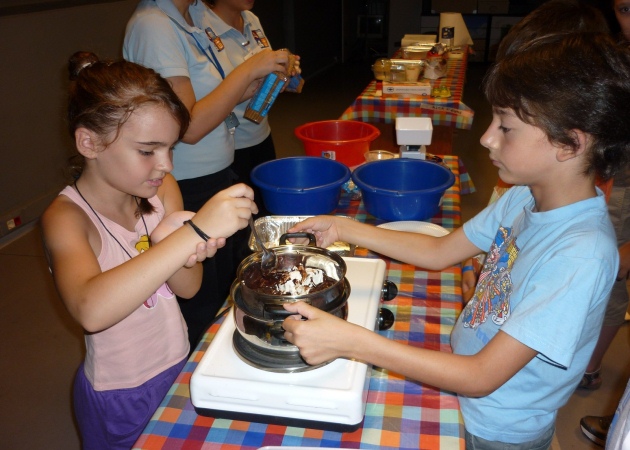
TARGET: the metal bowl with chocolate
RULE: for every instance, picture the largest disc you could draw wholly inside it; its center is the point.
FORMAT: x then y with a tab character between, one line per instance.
303	273
265	330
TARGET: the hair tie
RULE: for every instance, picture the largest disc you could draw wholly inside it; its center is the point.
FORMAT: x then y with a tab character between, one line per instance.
85	66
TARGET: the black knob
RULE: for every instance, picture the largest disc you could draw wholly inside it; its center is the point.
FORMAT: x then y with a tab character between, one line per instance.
390	290
385	319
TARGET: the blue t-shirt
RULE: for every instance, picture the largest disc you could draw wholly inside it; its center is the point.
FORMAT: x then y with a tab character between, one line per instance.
239	47
545	283
158	37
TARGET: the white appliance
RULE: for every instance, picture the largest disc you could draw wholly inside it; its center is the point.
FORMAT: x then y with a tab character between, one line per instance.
331	397
413	134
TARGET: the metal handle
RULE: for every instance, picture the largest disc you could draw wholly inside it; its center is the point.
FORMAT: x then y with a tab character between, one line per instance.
276	312
312	241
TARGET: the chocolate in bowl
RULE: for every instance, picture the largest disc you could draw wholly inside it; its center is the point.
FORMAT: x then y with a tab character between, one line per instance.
271	283
249	276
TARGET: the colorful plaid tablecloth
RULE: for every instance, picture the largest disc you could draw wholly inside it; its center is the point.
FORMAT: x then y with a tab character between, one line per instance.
372	106
400	413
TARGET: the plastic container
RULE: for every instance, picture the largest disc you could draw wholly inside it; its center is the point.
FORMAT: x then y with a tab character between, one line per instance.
381	68
403	188
345	141
375	155
300	186
397	73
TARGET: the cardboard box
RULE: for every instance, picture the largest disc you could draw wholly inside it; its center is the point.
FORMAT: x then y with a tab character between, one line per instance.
461	6
419	88
493	6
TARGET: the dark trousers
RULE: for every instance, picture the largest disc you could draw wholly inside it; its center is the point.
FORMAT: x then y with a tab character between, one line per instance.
218	272
245	159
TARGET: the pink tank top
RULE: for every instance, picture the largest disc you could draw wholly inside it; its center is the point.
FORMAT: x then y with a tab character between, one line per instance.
151	339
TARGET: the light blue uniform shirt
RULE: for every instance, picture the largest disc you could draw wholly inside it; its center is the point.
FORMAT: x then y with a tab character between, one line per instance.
238	47
158	37
545	283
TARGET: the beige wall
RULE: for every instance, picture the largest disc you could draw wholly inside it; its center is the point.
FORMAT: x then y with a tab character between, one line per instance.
404	18
34	50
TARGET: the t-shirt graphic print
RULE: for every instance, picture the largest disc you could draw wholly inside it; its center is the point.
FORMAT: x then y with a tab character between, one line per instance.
492	294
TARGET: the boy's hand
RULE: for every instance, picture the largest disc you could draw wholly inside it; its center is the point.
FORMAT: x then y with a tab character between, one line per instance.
324	229
319	338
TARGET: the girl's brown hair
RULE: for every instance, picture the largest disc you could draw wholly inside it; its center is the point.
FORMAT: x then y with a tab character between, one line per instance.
103	94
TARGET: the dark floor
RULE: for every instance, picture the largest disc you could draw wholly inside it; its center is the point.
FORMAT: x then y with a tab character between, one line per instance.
41	346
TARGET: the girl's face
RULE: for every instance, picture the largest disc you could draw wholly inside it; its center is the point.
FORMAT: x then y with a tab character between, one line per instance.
138	160
521	152
622	12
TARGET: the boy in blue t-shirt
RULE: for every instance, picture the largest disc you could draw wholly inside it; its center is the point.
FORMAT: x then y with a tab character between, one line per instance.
520	346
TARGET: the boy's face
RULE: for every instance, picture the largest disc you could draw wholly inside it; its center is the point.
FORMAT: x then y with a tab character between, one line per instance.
622	12
520	151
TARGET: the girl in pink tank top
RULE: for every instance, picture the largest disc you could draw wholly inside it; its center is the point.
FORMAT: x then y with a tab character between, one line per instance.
121	247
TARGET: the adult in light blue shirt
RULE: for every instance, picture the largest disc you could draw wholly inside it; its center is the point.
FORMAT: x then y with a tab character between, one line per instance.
170	37
242	36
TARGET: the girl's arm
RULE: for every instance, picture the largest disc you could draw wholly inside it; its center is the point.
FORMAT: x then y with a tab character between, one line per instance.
324	337
210	111
186	281
429	252
98	300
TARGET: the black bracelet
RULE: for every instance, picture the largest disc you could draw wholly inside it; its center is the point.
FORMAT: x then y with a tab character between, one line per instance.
201	234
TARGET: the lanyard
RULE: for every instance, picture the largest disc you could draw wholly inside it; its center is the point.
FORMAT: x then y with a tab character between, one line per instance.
213	58
206	51
231	121
209	53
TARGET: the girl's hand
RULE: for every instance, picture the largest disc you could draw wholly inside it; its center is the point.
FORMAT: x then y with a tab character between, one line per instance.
227	211
323	227
205	250
320	338
176	220
169	224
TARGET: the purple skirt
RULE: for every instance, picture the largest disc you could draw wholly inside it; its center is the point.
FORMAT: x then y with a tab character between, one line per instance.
115	419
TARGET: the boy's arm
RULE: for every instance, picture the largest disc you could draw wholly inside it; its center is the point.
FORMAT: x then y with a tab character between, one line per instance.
324	337
429	252
473	376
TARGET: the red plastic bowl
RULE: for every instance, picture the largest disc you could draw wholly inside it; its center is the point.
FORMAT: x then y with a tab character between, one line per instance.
345	141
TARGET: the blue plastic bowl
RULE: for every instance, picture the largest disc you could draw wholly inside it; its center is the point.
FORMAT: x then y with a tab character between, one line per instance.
402	188
299	186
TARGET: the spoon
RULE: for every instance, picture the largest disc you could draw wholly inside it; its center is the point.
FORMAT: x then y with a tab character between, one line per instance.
268	261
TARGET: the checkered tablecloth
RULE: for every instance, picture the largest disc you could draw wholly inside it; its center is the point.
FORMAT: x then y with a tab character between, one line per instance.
372	106
400	413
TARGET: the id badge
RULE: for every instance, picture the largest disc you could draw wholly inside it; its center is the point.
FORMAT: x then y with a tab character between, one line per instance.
232	122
